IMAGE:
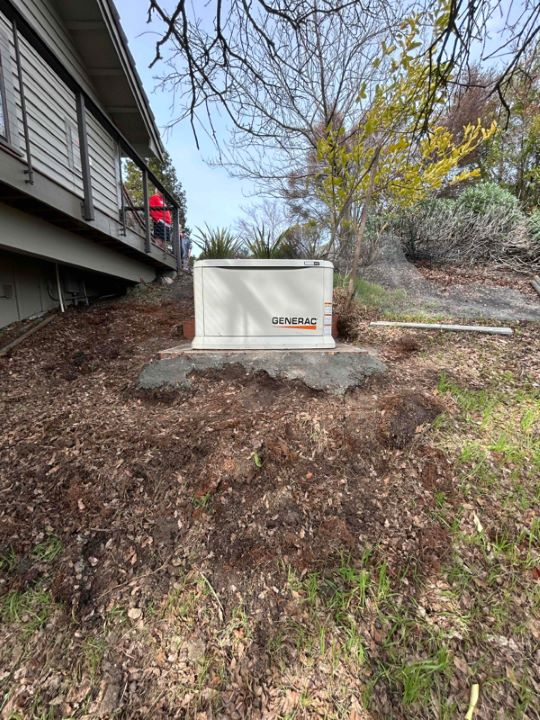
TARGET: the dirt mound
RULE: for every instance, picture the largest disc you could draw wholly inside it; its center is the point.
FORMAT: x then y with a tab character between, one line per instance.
404	416
280	496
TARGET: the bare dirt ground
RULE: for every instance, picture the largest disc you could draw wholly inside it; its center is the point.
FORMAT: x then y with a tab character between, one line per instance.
492	293
255	549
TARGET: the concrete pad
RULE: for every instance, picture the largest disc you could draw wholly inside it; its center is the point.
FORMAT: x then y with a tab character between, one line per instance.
334	371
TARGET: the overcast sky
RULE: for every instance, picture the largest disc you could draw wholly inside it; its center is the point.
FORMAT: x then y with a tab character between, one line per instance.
212	196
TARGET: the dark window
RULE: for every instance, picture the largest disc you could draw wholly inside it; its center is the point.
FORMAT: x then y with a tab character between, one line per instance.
3	104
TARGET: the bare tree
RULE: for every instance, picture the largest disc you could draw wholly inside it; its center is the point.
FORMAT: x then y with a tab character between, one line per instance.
213	53
465	37
268	229
267	214
281	74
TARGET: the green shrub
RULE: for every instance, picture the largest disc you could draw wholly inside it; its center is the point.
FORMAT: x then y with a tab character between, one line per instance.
484	223
263	246
484	197
217	244
533	224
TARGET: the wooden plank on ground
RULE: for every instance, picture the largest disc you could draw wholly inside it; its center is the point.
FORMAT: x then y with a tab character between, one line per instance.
18	340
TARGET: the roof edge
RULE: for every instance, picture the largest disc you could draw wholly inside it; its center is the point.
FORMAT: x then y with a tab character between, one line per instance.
112	20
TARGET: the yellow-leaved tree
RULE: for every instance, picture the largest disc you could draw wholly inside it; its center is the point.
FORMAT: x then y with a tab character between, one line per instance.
388	158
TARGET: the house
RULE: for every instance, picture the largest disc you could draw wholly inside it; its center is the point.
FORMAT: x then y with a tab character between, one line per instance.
72	107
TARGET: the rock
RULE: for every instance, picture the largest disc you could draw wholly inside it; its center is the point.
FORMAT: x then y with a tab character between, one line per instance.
110	698
134	613
196	650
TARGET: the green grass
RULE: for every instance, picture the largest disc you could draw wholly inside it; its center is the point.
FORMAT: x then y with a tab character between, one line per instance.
38	711
28	611
502	426
372	294
342	604
117	615
8	561
484	590
493	433
48	550
417	677
202	501
93	652
421	315
481	401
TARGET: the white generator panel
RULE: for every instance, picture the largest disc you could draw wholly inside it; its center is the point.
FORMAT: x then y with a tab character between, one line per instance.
263	304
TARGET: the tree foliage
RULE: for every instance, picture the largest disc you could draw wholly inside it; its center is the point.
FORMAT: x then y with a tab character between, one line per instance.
383	159
514	157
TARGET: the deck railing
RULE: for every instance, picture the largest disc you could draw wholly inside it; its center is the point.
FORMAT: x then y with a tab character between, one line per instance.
85	104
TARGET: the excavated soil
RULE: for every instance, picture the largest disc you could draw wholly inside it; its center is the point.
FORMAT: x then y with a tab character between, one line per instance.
246	479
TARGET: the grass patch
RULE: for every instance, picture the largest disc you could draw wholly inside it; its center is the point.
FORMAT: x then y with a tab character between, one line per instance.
8	561
28	611
502	426
93	652
372	294
361	617
418	676
202	501
418	316
494	434
48	550
350	604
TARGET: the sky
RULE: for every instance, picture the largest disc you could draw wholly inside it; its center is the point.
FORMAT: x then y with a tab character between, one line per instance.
212	196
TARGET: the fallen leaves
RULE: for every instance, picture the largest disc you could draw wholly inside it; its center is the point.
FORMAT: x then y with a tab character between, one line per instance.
178	596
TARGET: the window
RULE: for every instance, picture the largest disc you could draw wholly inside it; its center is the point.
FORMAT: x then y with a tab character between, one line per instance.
9	134
74	150
4	126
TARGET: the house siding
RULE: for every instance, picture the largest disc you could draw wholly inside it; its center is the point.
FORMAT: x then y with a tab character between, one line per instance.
44	220
39	238
52	123
46	22
103	152
50	106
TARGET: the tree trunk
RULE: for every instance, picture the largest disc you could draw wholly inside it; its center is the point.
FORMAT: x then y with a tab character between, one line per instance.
360	231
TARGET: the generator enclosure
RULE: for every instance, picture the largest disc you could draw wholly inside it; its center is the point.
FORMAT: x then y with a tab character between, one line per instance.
263	304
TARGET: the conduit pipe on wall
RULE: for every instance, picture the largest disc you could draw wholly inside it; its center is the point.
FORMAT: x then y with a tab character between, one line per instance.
59	286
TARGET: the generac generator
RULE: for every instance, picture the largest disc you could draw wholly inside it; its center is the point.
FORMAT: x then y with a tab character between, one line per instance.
263	304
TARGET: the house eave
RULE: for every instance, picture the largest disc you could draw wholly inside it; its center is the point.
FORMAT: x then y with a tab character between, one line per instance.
95	30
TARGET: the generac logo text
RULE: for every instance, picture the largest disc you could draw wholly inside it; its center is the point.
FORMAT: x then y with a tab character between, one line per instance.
301	323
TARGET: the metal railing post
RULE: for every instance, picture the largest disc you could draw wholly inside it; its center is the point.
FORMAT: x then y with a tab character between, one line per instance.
177	245
88	202
147	236
29	170
122	197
